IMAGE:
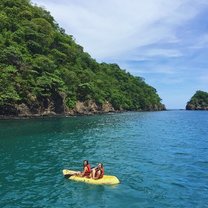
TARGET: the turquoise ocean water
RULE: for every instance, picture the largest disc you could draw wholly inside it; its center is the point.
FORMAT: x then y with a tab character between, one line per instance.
161	159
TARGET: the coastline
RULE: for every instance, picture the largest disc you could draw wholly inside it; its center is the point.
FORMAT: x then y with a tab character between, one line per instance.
86	108
38	116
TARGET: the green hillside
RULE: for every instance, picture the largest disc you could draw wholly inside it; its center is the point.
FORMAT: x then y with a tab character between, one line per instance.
199	101
43	70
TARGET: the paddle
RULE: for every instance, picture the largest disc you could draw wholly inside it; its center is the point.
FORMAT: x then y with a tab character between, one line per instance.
68	174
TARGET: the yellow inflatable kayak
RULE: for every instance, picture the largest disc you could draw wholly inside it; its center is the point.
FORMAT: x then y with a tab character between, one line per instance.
105	180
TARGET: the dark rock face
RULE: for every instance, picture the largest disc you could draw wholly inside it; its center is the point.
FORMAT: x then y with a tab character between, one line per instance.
90	107
190	106
41	106
199	101
8	110
55	106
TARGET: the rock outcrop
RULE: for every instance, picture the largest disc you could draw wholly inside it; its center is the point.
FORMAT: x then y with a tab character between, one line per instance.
89	107
190	106
199	101
50	107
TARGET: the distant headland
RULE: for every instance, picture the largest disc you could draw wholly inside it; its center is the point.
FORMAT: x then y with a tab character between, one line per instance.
44	72
199	101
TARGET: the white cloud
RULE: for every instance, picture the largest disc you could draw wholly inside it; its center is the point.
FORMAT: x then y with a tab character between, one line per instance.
111	27
164	40
150	53
163	53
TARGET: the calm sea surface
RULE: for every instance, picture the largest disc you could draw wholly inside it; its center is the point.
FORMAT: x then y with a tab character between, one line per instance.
161	159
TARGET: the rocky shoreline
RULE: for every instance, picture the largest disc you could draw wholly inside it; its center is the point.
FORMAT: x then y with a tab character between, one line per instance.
199	101
89	107
196	107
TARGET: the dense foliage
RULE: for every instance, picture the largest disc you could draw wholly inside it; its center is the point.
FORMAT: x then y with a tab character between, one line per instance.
39	60
199	101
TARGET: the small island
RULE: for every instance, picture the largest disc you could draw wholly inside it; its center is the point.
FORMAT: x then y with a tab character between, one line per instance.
45	72
199	101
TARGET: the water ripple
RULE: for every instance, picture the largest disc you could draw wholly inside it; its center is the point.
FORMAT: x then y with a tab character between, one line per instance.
160	158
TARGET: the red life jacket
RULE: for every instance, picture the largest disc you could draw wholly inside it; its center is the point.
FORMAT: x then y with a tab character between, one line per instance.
87	173
101	174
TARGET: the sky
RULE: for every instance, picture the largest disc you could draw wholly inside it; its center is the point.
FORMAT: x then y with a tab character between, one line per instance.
163	41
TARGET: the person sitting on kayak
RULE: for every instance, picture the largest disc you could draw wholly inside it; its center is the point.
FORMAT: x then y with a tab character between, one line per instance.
97	172
86	169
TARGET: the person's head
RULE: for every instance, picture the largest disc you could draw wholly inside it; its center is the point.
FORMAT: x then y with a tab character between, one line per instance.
85	162
100	165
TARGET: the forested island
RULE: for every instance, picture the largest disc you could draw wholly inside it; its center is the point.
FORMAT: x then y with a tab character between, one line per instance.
44	72
199	101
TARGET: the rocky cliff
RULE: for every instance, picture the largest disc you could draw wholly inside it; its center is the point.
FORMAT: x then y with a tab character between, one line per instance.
43	71
199	101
